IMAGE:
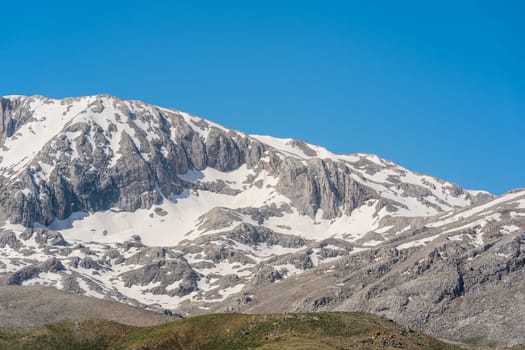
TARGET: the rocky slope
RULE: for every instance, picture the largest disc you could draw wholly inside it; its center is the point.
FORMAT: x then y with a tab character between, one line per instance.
154	207
30	306
458	276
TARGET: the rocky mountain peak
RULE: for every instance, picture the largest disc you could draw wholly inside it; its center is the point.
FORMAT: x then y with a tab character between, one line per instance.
155	207
98	152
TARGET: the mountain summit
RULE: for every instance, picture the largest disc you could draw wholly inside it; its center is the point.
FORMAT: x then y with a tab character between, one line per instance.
78	157
155	207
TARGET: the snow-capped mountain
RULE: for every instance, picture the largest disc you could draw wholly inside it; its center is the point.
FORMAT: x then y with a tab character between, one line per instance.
91	157
156	207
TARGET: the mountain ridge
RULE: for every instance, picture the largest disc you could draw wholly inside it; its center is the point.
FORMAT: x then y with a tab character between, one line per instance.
161	209
229	154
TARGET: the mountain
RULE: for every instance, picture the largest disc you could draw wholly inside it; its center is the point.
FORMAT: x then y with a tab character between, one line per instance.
157	208
458	275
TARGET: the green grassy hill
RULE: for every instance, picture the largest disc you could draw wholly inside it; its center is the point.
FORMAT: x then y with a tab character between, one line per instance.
229	332
322	331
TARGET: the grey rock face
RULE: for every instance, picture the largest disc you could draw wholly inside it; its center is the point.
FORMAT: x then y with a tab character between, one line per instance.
218	218
321	184
91	165
44	237
253	236
149	255
30	272
53	265
267	211
12	115
225	253
83	178
167	272
23	274
89	263
9	239
222	151
266	275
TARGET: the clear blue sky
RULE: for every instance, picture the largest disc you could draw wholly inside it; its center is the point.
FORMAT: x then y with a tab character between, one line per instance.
437	86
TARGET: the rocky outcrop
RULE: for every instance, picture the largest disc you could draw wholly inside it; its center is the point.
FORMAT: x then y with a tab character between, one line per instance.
44	237
253	236
30	272
23	274
321	184
12	115
9	239
165	273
